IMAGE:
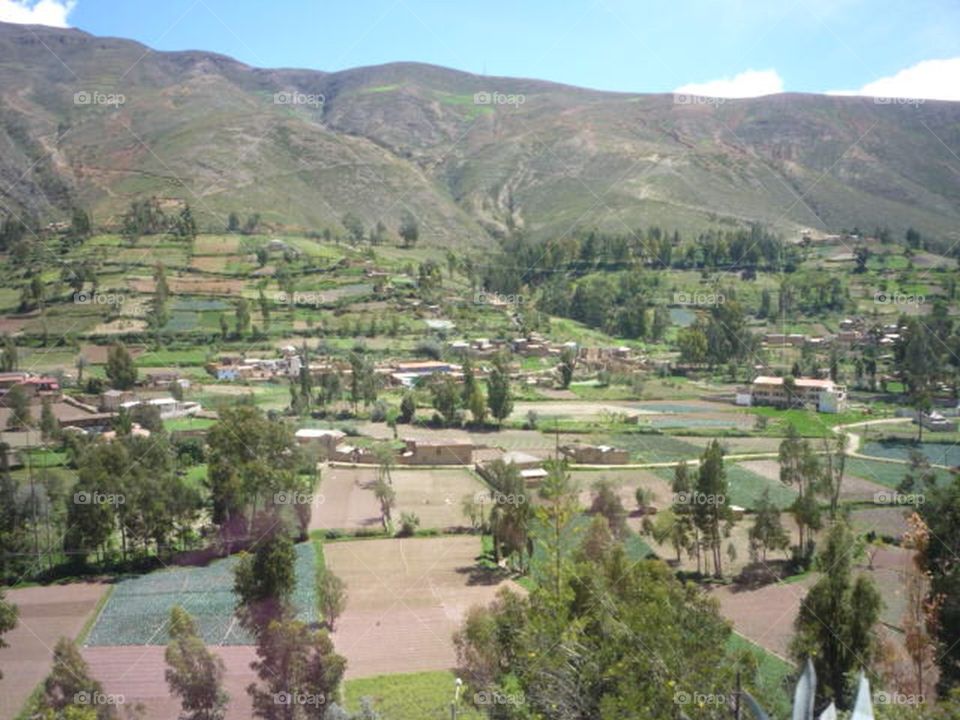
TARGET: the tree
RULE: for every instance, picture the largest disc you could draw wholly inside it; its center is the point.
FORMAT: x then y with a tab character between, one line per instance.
568	361
121	370
387	497
69	683
510	513
20	417
606	502
194	674
264	580
767	532
919	617
49	428
835	624
800	469
409	230
477	404
573	654
354	227
299	672
499	395
8	616
941	513
445	398
8	356
710	501
252	461
242	316
332	595
408	407
559	506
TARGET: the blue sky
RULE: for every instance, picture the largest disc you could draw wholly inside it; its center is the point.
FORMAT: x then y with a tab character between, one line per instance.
722	47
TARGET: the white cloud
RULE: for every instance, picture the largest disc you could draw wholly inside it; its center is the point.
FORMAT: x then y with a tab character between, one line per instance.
32	12
750	83
930	80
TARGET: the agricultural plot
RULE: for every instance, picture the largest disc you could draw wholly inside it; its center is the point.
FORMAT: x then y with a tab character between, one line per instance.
651	448
937	453
47	613
626	483
410	696
765	615
138	610
406	597
853	489
883	473
136	672
434	494
746	486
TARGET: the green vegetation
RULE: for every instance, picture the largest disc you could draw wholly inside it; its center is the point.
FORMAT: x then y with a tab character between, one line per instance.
411	696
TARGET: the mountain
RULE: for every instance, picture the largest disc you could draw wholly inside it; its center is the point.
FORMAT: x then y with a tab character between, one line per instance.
470	156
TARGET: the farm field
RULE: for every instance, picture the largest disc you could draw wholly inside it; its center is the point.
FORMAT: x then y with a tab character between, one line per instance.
433	494
406	597
408	696
137	673
139	608
47	613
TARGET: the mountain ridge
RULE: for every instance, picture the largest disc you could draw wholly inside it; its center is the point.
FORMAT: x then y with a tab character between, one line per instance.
472	157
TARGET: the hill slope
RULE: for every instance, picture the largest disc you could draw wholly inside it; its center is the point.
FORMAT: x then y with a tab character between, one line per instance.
547	157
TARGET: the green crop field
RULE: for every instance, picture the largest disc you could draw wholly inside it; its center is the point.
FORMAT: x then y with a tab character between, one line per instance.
138	609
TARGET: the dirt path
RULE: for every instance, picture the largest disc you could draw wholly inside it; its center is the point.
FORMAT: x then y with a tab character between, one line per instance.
854	440
47	613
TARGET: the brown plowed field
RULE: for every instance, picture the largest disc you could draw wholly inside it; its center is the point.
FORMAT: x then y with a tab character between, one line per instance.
405	600
136	672
46	615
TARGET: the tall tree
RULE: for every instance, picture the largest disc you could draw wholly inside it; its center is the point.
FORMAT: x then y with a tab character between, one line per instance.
8	617
711	505
499	394
299	672
194	674
265	579
121	370
835	624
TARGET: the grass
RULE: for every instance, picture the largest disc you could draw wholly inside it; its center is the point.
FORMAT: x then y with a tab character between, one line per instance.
412	696
884	473
808	423
188	423
745	487
773	675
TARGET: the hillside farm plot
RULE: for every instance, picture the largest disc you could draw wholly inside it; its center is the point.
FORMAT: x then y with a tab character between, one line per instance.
852	489
626	483
406	597
765	615
938	453
47	613
138	609
137	673
888	474
433	494
653	448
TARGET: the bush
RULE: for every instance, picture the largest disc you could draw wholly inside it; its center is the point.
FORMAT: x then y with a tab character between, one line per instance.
409	522
378	412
